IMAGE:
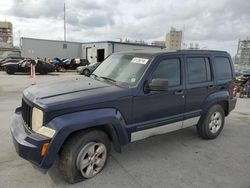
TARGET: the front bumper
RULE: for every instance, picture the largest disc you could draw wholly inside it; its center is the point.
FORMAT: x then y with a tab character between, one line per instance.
28	145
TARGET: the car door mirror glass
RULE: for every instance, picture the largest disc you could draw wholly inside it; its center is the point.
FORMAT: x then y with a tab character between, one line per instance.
158	84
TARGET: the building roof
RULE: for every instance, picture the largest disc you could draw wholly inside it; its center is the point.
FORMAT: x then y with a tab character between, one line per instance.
96	42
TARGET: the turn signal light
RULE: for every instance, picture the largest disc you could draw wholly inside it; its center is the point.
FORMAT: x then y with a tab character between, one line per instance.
44	149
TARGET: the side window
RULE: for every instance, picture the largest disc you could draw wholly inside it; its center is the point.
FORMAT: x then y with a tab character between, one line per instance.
169	69
222	68
198	70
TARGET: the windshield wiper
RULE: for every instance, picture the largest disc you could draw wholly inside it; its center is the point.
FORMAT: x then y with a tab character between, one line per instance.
120	84
94	75
109	79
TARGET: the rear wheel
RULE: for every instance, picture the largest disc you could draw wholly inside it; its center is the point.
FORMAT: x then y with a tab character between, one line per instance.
212	124
43	72
84	155
10	71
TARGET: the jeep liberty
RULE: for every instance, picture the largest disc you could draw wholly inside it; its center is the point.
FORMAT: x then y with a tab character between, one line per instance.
129	97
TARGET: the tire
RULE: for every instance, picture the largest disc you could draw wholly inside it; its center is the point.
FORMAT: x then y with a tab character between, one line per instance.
86	72
76	150
10	71
43	72
61	69
212	124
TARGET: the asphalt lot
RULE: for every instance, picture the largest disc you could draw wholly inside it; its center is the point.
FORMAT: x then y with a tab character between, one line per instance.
179	159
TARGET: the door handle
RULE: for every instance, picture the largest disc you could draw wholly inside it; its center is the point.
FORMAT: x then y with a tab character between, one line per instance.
180	92
210	86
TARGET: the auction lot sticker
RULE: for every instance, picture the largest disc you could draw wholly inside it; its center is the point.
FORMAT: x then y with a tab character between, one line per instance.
139	60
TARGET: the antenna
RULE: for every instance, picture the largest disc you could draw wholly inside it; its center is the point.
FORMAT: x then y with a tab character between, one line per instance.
64	19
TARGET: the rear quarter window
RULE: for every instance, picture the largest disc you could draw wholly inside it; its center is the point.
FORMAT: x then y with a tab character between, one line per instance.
223	68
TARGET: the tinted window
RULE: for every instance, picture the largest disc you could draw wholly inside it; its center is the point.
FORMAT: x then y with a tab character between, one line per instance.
223	68
169	69
198	70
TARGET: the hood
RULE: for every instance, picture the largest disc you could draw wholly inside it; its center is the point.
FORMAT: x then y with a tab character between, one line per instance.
71	93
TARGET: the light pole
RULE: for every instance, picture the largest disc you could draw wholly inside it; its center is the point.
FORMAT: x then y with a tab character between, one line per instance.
64	19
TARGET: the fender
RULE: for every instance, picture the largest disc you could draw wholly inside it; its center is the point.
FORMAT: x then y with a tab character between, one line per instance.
69	123
215	98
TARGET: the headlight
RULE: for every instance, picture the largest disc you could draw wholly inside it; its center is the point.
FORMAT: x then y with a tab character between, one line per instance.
37	119
37	124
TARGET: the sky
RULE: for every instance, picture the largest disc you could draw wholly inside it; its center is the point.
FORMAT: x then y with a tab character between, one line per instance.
214	24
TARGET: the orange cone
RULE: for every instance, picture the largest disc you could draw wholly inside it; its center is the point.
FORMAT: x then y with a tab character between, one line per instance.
33	74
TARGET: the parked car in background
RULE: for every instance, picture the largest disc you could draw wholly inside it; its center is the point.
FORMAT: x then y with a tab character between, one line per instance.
87	70
246	74
9	60
74	63
58	64
62	65
79	62
129	97
24	66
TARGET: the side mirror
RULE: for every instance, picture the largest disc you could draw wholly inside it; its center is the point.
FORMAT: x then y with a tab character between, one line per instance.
158	84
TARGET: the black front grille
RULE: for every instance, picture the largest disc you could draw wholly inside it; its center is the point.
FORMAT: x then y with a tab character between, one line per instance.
27	113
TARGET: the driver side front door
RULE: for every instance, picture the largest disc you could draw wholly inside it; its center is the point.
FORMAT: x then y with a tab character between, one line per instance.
159	112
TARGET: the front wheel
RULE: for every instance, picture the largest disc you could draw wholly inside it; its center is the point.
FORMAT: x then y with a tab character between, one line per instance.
84	155
212	124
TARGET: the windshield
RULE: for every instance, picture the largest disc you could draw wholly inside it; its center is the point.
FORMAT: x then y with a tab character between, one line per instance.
122	69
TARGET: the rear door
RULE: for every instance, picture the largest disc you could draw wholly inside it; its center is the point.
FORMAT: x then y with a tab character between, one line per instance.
224	73
199	85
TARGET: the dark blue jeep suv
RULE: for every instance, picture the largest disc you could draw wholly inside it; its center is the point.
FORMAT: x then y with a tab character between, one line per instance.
130	96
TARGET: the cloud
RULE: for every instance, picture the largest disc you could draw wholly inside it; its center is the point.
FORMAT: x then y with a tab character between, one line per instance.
36	9
209	22
97	20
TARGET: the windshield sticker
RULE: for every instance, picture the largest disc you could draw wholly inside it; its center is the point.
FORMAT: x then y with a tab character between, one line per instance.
139	60
133	80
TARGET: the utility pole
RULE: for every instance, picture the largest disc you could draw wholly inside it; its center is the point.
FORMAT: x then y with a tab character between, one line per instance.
64	22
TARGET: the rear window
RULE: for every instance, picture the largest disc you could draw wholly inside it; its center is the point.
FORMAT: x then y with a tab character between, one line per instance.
223	68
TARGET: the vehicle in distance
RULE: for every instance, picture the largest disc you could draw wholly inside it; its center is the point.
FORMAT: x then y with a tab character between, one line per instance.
9	60
87	70
130	96
24	66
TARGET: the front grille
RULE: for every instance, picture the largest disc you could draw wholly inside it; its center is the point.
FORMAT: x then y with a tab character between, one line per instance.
27	113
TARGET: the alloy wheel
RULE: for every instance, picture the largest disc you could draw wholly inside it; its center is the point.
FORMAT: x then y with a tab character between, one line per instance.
91	159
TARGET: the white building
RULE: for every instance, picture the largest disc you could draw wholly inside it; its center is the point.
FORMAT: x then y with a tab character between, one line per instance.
98	51
92	51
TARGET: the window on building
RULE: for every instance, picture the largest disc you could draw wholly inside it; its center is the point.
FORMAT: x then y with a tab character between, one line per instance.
198	70
223	68
65	46
169	69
